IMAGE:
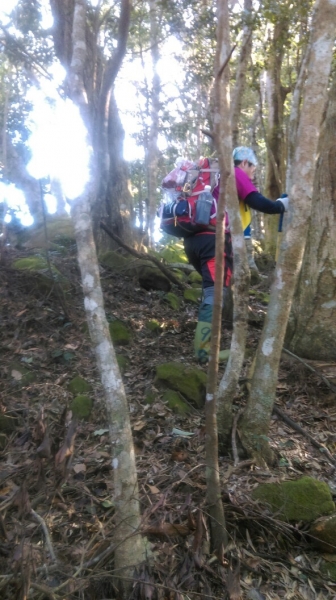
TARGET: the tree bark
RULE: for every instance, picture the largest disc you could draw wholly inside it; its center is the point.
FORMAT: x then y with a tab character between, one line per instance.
255	423
127	538
312	326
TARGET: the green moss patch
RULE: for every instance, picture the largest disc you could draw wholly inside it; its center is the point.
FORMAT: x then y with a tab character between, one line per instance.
193	295
173	300
123	362
78	385
176	402
194	277
303	500
81	406
174	253
119	333
188	381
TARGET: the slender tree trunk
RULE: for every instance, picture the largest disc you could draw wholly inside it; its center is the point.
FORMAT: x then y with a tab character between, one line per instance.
243	61
255	423
153	151
127	538
312	325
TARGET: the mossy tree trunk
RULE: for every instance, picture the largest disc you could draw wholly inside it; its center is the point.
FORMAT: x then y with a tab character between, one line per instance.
256	419
127	539
312	326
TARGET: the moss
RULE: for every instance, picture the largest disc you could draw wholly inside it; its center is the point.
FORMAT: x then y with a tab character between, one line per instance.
39	266
194	277
173	300
303	500
150	398
193	295
81	406
115	261
174	253
329	568
323	532
176	402
151	278
78	385
179	274
60	231
189	381
120	334
153	325
123	362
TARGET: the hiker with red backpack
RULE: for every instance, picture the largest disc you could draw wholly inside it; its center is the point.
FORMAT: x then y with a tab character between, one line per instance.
199	238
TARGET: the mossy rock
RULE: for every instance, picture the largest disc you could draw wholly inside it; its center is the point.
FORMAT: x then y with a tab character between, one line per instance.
150	397
123	362
173	300
78	385
119	332
305	499
194	277
7	423
323	532
174	253
153	325
38	266
60	232
179	274
118	263
189	381
151	278
81	406
176	402
328	568
193	295
20	375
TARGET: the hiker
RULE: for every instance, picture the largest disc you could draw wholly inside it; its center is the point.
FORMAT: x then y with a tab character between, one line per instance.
200	247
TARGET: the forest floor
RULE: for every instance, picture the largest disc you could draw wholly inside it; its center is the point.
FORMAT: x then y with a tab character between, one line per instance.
40	498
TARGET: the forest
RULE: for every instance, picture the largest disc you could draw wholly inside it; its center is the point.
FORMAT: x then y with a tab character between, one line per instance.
132	466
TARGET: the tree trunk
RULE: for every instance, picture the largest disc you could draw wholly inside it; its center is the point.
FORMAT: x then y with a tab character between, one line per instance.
127	539
244	58
312	326
153	151
255	423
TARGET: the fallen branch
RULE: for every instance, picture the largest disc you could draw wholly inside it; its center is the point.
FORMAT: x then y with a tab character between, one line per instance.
143	256
46	534
300	429
324	379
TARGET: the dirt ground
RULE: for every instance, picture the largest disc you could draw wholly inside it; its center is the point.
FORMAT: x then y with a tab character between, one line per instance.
70	501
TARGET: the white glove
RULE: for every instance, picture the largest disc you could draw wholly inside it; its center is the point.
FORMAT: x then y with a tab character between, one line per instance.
285	202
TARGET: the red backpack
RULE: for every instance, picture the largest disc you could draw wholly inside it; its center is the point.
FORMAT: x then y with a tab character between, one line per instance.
181	188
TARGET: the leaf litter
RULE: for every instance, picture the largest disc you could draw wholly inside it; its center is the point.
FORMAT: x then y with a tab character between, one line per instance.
56	487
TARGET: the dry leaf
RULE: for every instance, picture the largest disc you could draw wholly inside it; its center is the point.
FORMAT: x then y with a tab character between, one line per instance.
153	489
79	468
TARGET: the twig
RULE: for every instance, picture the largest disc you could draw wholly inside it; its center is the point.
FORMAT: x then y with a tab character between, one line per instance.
46	533
220	71
233	439
324	379
43	588
143	256
300	429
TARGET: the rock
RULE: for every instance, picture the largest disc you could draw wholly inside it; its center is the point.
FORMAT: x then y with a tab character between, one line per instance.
173	300
194	277
323	531
118	263
39	267
81	406
305	499
173	253
78	385
193	295
119	333
151	278
189	381
176	402
60	233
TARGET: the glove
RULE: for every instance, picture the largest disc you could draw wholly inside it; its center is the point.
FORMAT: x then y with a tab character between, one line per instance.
285	201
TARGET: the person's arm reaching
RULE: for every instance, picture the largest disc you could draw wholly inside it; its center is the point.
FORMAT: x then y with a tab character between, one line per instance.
259	202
